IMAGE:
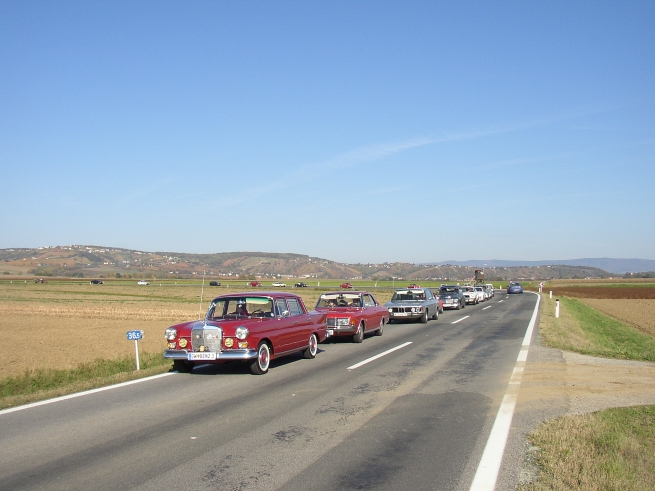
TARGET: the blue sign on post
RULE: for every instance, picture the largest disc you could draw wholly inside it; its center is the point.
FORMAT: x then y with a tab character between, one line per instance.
134	335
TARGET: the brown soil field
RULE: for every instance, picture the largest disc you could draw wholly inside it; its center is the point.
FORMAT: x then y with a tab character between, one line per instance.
632	292
638	313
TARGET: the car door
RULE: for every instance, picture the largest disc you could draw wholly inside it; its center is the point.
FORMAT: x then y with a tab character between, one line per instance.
372	312
300	324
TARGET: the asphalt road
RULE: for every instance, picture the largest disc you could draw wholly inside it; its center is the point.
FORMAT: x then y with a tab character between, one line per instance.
417	418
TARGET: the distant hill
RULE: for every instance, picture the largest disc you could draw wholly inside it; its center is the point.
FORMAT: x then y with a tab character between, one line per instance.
104	262
611	265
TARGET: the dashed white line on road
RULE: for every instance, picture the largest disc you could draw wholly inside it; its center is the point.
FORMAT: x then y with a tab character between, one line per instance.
487	307
368	360
460	320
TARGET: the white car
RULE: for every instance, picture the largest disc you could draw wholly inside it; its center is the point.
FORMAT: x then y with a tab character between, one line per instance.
470	295
482	293
277	284
490	289
142	282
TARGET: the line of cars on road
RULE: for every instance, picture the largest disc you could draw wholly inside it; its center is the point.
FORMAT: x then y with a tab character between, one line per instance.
257	327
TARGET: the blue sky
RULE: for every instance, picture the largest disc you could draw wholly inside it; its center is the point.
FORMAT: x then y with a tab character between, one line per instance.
354	131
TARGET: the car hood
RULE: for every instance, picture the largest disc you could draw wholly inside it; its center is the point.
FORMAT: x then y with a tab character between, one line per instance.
227	325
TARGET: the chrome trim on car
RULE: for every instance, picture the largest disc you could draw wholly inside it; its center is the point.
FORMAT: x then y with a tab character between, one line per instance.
234	354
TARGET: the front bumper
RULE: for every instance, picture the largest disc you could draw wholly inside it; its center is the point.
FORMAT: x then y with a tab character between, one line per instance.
235	354
405	315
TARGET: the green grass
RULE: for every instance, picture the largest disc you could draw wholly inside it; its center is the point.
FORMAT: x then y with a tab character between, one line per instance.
584	330
35	385
607	450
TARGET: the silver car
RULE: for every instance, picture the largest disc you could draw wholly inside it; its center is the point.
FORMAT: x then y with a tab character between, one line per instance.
413	303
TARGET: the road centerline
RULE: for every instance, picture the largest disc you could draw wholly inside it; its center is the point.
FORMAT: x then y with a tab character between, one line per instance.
460	320
368	360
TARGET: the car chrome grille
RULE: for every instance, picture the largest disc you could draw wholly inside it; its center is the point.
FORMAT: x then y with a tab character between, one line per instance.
401	309
209	337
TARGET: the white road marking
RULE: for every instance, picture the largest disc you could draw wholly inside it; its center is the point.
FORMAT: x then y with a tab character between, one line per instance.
500	301
80	394
368	360
487	307
460	320
487	473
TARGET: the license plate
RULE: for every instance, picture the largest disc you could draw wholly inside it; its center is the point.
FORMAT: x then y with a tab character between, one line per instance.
400	314
208	355
330	332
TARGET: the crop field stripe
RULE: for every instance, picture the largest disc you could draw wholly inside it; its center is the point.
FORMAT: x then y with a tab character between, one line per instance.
85	393
492	457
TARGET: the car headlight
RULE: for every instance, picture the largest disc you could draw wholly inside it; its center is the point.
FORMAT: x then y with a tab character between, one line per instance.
343	322
170	334
390	309
241	333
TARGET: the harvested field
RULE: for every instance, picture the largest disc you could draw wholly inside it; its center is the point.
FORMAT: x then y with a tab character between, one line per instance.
60	325
619	291
638	313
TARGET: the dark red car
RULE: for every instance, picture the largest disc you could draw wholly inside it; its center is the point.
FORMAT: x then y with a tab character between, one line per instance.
252	327
352	314
346	285
255	283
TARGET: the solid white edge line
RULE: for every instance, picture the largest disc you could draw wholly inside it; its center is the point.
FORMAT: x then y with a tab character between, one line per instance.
368	360
492	457
460	320
85	393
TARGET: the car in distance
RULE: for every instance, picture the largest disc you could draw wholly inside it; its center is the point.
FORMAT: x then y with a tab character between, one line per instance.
300	284
482	292
514	287
352	314
214	283
413	303
490	289
142	282
414	285
470	295
97	282
251	327
255	283
345	285
277	284
452	297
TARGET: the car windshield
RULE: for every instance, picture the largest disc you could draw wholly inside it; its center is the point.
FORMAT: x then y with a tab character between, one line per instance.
235	307
336	300
402	295
448	290
468	289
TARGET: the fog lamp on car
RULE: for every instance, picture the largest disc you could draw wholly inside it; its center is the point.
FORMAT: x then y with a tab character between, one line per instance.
229	342
171	345
243	344
183	343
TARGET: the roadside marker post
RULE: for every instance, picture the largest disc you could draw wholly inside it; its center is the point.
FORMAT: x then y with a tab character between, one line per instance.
551	294
135	336
557	307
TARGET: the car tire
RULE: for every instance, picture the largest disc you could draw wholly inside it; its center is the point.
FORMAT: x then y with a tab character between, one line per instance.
380	329
312	348
259	366
182	366
359	335
436	314
459	306
424	317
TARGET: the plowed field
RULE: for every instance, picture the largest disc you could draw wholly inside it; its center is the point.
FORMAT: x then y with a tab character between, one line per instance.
631	292
638	313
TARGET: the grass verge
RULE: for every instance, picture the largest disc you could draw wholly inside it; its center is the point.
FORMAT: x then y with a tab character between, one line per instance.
585	330
37	385
607	450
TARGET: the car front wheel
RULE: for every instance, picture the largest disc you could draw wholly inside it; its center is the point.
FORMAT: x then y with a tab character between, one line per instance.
259	366
380	329
359	335
424	317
